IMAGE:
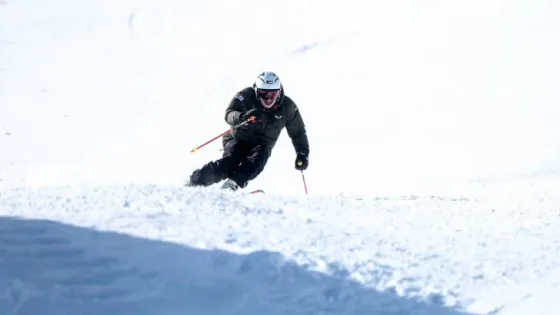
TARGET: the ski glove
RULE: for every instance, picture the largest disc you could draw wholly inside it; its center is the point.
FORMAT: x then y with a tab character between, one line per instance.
254	112
302	161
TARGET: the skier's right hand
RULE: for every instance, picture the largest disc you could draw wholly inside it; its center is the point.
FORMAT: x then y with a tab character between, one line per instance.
256	113
253	122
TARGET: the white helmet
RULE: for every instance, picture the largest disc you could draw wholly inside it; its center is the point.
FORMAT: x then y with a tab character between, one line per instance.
267	89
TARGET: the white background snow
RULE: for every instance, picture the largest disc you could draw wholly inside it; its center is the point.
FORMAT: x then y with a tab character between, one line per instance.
434	183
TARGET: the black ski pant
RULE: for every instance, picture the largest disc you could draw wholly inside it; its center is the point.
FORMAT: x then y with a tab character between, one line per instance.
240	162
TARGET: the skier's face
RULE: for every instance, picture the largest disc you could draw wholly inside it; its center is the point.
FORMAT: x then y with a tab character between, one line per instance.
268	97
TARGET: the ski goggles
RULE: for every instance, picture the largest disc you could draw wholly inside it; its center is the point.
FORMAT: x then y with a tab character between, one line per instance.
269	94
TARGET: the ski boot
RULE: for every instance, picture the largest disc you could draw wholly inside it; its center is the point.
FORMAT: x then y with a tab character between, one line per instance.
230	184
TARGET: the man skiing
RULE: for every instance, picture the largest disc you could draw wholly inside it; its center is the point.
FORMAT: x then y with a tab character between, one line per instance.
264	111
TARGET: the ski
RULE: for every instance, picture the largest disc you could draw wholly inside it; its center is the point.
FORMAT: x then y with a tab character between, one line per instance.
257	191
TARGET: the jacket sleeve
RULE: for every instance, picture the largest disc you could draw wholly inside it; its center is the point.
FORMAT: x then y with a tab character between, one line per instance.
297	132
235	110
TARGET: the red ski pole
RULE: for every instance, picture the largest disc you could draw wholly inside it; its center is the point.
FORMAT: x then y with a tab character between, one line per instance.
249	120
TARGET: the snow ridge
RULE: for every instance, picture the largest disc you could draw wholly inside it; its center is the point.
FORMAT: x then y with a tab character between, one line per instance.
212	260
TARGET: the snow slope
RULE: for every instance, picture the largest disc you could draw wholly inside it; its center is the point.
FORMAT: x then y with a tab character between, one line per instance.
433	176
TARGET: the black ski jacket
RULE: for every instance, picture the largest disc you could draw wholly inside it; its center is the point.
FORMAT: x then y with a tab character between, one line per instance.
285	114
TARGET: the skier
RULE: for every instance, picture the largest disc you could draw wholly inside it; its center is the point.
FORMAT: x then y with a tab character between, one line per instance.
267	111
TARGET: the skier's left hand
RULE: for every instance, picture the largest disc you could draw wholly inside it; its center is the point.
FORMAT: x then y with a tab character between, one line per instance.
302	161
